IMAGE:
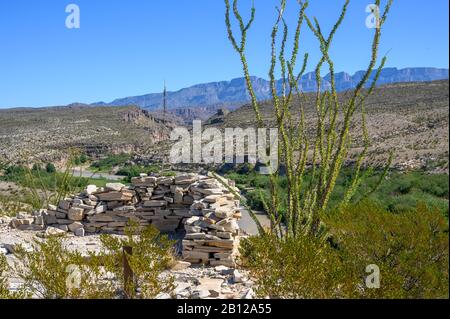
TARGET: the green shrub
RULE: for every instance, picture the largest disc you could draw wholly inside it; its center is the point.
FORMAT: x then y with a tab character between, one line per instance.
110	161
10	205
245	168
14	170
303	267
151	255
50	271
130	171
254	199
168	173
50	168
5	293
83	158
410	249
79	159
400	192
43	187
240	179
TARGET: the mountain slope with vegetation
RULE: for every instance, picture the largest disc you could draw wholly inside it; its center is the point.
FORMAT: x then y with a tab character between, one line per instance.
409	118
233	93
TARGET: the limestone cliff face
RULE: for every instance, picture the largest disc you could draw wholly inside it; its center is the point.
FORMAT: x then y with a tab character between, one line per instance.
138	116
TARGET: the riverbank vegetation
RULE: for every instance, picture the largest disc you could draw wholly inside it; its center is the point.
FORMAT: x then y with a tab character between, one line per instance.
399	191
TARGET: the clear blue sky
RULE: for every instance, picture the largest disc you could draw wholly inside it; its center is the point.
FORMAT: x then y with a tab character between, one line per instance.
126	48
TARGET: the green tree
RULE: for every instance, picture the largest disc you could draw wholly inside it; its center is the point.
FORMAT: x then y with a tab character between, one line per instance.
36	167
83	158
50	168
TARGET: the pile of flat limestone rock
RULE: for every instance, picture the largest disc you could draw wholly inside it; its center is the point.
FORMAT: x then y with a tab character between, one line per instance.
201	205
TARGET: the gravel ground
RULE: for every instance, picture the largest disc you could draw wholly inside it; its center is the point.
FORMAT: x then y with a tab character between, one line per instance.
191	281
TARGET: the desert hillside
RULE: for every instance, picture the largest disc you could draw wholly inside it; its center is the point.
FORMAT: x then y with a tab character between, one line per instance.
47	133
409	118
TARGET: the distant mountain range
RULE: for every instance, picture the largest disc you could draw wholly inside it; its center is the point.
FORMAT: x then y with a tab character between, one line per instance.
233	93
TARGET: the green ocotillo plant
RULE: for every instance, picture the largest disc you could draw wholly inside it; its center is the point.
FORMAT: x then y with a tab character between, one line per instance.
40	192
328	148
